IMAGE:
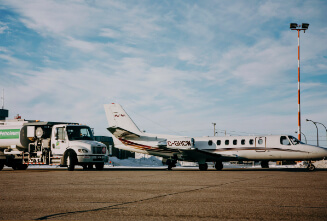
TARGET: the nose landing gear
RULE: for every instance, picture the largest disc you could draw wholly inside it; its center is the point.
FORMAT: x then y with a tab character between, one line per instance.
311	167
265	164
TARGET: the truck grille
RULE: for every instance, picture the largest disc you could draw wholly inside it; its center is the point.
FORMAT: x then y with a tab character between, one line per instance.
97	150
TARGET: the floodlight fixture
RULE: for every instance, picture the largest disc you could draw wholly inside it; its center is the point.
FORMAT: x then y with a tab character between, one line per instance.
293	26
305	25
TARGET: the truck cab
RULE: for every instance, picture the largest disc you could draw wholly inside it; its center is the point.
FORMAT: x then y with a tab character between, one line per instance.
75	145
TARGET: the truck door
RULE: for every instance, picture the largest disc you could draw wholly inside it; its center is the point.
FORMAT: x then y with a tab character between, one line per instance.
260	144
59	141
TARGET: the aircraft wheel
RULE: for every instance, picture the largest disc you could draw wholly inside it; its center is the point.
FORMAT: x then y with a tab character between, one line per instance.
311	167
203	167
171	163
99	166
90	166
219	165
265	164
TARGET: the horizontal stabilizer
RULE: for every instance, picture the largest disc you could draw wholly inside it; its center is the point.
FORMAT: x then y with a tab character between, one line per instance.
120	132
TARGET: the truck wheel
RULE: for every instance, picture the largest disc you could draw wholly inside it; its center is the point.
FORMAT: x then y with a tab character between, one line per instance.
2	164
71	160
99	166
21	166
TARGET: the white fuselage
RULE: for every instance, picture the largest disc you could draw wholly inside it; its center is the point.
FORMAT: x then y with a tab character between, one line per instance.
267	147
229	148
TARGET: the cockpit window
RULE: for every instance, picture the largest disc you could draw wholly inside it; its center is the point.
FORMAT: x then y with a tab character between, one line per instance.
294	140
284	140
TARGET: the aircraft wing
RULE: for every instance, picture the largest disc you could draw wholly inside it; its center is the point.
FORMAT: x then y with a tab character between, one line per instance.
120	132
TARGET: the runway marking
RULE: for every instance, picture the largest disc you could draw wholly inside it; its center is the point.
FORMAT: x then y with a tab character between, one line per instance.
57	215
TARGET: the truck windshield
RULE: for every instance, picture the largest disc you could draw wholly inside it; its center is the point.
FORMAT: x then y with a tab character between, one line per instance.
79	133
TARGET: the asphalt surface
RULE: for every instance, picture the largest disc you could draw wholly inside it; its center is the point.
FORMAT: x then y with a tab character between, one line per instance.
157	194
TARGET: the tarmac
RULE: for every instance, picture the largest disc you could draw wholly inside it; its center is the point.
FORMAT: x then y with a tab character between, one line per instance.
158	194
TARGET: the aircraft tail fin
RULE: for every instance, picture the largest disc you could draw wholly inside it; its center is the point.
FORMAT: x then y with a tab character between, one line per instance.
120	124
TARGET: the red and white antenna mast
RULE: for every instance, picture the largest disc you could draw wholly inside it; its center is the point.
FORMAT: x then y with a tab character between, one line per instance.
295	26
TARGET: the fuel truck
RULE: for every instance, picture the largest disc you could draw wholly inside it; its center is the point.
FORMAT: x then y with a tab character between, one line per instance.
26	142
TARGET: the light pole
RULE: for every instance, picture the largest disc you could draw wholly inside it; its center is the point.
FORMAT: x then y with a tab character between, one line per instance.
214	129
325	129
315	123
304	137
295	26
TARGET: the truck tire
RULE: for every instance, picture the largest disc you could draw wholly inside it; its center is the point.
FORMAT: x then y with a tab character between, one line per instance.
71	160
2	164
99	166
19	166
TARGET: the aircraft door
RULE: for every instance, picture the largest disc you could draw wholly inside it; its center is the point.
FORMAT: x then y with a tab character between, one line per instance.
260	144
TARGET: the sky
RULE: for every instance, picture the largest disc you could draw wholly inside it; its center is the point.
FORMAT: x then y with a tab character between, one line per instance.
175	66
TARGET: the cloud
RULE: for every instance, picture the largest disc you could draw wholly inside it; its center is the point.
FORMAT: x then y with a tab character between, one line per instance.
84	46
182	64
3	27
110	33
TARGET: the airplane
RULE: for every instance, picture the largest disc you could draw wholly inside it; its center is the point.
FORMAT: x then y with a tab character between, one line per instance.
264	148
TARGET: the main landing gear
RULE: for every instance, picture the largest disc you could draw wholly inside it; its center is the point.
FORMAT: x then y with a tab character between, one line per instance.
171	163
265	164
203	166
219	165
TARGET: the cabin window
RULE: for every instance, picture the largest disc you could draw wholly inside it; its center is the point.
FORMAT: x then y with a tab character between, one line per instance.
218	142
284	140
251	141
243	141
260	141
234	142
226	142
210	142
